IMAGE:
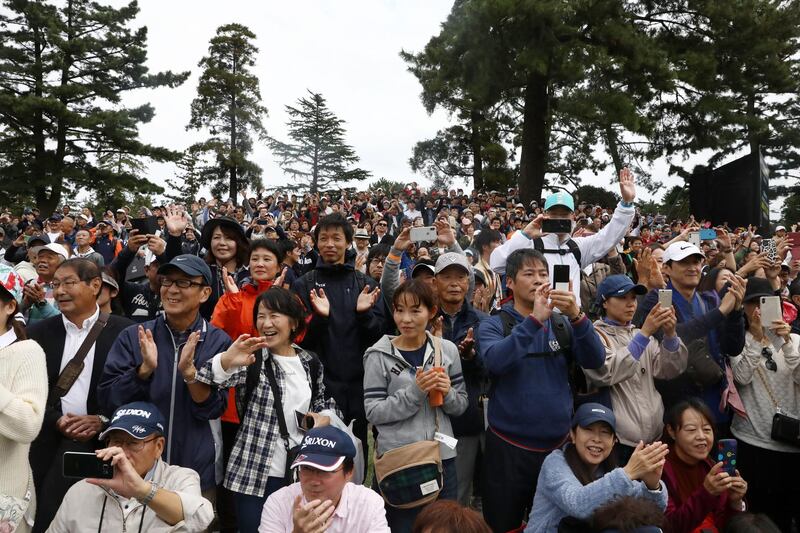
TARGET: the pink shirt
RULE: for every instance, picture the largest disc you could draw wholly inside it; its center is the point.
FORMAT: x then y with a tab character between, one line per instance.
360	510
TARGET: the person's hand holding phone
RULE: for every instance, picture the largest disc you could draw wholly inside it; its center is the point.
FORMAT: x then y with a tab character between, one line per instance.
566	302
533	230
656	319
136	240
126	481
541	303
737	491
403	240
717	480
444	233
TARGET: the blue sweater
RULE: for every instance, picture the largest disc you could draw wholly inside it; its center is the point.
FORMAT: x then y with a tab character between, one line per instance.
531	402
559	494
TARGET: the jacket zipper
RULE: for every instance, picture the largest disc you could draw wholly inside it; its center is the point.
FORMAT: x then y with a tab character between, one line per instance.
171	399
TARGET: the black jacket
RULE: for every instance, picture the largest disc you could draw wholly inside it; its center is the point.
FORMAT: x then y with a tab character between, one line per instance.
51	335
341	339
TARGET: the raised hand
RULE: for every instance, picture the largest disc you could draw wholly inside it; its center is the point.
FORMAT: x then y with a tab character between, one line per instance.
737	491
126	481
186	361
367	299
656	319
403	240
541	303
465	347
320	302
176	220
481	298
136	241
242	351
627	185
444	233
437	326
157	245
149	353
717	480
228	281
534	228
781	329
565	302
279	281
313	517
646	460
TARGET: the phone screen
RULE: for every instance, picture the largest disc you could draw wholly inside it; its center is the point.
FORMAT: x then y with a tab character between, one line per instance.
726	453
85	464
561	277
556	225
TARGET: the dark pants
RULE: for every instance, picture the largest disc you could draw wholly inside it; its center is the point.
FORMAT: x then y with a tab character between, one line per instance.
51	485
248	508
401	520
510	475
772	486
226	509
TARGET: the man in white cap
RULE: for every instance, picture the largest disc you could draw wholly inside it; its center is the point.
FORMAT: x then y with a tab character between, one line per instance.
559	248
38	302
710	327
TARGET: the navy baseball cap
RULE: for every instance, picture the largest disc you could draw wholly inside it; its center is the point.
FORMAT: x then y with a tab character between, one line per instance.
189	264
589	413
137	419
617	285
325	449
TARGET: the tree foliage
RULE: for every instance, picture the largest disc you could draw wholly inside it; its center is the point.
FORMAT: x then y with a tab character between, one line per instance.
63	70
316	156
228	105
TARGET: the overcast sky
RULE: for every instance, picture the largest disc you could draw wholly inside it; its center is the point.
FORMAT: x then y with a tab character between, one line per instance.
347	50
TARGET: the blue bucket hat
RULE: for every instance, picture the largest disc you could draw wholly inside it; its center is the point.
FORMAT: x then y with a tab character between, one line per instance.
617	285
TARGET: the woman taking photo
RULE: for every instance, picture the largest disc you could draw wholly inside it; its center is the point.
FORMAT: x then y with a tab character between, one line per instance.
399	375
23	393
257	466
767	373
226	247
702	497
576	482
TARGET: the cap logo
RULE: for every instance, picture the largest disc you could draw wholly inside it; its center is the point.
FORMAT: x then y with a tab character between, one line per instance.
319	441
138	429
685	247
134	412
598	411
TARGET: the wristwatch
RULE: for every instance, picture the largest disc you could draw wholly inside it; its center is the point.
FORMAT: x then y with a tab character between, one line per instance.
150	495
103	420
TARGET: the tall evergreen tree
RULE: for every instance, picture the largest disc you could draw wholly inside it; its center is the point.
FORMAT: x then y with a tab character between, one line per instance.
228	103
63	70
316	154
194	170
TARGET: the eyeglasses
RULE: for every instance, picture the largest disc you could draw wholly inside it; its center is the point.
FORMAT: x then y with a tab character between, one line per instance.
378	260
770	362
132	445
69	284
181	283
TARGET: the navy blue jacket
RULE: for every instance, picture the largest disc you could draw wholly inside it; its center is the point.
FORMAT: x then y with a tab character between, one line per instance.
341	339
189	440
531	402
470	422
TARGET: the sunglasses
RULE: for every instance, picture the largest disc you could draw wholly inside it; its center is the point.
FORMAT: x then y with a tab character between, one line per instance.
770	362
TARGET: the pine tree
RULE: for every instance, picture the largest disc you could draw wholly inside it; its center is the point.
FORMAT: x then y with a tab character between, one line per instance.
228	104
316	155
63	70
194	170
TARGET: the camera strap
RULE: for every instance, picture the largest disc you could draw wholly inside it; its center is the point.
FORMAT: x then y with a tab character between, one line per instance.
68	375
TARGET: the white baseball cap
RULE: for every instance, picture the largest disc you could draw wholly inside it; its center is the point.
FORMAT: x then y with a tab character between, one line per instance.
678	251
55	248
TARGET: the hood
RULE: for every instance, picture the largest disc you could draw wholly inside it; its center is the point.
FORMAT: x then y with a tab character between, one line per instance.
252	286
612	330
384	346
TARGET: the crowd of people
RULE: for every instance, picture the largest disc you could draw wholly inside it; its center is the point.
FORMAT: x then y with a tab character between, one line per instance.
397	361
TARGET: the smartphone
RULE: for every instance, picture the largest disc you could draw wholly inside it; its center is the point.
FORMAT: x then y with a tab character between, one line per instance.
665	297
770	310
556	225
694	238
561	277
145	225
426	233
86	464
726	453
708	234
769	248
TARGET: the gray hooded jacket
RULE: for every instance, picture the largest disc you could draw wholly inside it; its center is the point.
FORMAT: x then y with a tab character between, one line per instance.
395	404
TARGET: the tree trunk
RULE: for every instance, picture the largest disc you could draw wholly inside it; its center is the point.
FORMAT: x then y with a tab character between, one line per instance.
234	156
613	149
535	139
752	137
477	150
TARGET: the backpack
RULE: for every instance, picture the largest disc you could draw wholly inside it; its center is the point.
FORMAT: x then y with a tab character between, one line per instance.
253	377
572	248
581	392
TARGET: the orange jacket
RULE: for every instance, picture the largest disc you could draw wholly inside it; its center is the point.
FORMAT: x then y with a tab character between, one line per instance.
234	315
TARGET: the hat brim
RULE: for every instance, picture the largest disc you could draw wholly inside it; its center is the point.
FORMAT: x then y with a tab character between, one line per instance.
451	265
420	267
211	225
751	297
595	417
326	463
186	269
109	429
